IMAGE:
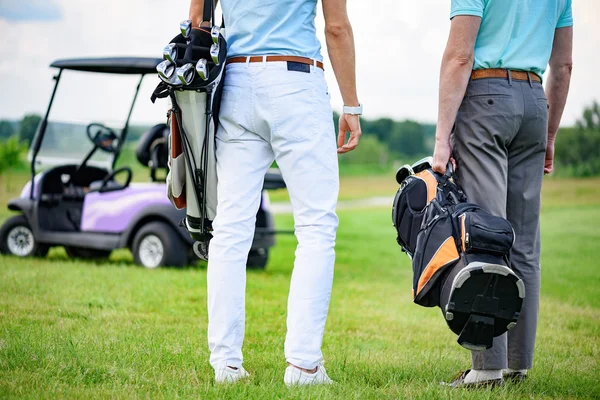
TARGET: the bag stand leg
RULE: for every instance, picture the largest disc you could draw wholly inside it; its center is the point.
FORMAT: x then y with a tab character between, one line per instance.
479	327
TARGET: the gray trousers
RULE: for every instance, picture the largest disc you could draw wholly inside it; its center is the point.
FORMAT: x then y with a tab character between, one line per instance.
499	143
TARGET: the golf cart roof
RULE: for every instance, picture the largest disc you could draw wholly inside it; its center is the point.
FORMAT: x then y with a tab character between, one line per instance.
111	65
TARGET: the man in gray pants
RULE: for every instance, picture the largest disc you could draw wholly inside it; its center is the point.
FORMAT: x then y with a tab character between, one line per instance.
503	138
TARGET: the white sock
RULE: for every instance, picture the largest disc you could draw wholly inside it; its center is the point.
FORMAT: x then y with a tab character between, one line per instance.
481	375
512	371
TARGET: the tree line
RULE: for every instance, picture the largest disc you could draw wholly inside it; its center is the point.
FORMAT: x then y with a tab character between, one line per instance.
384	142
577	149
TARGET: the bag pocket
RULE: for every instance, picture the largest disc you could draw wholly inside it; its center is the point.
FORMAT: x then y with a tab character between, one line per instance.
482	232
408	212
436	250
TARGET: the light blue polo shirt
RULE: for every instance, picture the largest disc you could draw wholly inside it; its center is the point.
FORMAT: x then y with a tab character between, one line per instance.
515	34
271	27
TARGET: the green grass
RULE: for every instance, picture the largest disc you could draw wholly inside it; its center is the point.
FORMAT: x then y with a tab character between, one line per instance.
75	329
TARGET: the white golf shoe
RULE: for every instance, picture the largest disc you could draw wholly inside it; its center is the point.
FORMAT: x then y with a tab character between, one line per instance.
230	375
295	376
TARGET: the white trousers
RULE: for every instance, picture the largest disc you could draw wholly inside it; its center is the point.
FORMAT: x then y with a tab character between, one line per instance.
269	113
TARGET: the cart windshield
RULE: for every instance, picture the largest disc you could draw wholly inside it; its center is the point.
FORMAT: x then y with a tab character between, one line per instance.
84	98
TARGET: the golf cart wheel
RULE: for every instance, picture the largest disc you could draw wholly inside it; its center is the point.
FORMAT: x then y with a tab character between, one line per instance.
16	238
257	259
156	244
88	254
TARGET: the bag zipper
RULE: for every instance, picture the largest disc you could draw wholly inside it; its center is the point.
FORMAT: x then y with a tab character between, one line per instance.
485	228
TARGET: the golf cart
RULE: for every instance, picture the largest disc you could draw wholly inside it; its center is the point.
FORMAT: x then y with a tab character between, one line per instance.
80	201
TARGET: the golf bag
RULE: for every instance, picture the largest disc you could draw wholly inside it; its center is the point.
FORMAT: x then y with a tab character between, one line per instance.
459	255
192	120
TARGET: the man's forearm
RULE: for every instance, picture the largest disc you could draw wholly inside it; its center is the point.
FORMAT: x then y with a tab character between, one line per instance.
557	87
557	90
454	77
340	46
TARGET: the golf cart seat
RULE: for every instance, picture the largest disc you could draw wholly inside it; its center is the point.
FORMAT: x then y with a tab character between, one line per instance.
153	149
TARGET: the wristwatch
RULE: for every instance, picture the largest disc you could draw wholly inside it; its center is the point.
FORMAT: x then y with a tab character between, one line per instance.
353	110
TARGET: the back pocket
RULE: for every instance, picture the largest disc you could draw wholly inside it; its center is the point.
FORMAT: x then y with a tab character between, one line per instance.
229	115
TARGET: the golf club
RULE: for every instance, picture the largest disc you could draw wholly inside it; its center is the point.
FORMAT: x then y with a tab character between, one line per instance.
186	73
166	73
185	27
166	69
202	68
214	53
215	32
174	81
170	52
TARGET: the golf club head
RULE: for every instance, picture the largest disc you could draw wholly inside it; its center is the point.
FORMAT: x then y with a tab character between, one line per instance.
166	70
201	250
422	164
170	52
173	81
214	53
215	32
185	27
186	73
404	172
202	69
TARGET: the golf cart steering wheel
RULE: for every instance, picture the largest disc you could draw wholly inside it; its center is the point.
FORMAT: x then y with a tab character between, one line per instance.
103	137
108	185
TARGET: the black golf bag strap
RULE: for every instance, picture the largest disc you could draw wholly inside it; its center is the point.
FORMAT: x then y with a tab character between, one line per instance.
209	11
162	91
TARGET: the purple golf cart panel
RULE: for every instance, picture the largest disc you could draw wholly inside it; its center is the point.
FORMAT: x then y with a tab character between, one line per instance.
36	188
112	212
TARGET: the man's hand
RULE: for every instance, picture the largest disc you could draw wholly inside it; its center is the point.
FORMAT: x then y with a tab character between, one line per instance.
348	123
549	163
441	155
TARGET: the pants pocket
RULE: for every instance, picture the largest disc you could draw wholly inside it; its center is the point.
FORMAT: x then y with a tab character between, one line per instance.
542	108
229	115
301	109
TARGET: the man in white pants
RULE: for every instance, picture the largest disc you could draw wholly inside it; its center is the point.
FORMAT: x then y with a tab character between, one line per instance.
275	106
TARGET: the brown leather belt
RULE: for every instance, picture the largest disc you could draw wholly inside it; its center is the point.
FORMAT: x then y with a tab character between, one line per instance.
503	73
296	59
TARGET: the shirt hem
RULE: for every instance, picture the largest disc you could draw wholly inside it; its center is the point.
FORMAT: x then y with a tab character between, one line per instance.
467	11
564	25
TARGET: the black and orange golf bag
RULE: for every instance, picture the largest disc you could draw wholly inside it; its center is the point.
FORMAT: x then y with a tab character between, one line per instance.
459	254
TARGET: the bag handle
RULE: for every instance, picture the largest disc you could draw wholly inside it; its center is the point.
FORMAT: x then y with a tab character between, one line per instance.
449	174
450	170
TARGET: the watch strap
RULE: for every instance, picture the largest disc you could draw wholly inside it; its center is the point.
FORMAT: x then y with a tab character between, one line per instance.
353	110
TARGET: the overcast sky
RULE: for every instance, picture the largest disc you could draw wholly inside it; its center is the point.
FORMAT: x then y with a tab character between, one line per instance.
399	47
